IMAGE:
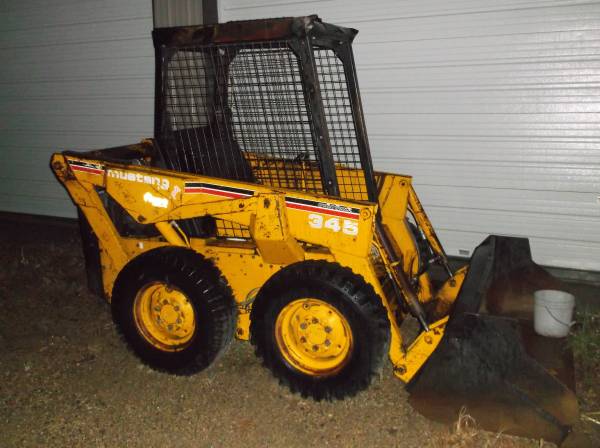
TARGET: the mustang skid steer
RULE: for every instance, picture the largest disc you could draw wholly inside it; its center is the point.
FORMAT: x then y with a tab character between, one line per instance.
255	212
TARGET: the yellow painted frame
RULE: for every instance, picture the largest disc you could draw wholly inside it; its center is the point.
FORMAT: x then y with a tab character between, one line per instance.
282	229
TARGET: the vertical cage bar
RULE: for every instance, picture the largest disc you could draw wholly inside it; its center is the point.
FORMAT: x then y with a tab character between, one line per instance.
320	131
344	52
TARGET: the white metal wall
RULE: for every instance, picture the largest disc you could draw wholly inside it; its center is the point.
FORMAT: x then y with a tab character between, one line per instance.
177	12
76	74
492	105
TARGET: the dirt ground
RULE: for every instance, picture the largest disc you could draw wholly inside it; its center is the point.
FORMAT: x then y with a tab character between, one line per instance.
66	379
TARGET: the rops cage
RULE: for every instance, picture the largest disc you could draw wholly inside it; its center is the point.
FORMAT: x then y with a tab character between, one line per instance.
274	102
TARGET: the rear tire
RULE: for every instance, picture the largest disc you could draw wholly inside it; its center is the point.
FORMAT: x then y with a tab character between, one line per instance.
174	310
320	329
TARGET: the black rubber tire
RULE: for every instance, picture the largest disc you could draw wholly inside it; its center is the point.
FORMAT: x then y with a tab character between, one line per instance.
205	288
350	295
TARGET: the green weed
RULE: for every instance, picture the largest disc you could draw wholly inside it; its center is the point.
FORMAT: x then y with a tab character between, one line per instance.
585	343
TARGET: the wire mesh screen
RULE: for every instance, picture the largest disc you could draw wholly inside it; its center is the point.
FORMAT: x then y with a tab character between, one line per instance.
229	229
197	134
270	118
240	111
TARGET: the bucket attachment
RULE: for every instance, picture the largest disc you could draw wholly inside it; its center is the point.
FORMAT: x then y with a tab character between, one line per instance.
490	361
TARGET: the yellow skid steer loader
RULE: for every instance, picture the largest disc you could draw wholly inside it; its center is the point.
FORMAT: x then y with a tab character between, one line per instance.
255	212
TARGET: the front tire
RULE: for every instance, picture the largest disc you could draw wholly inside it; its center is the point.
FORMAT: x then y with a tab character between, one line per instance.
320	329
174	310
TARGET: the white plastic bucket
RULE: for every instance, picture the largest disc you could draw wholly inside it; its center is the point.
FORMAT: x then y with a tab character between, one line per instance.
553	312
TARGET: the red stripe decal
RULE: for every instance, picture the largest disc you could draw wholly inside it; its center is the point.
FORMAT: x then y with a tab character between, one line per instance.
86	169
325	211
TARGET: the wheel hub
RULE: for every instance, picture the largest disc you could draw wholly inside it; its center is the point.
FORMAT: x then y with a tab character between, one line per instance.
316	334
168	314
313	336
164	317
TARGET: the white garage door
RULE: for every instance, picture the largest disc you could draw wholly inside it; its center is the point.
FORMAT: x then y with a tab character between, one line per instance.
492	105
75	75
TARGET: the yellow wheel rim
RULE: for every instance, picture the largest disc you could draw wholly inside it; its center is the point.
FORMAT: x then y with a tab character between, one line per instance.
313	337
164	317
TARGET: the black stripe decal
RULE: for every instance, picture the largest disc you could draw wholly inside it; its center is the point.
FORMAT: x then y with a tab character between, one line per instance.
219	187
85	164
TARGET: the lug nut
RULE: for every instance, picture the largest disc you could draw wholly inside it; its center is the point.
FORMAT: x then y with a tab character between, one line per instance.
401	369
315	348
303	339
303	325
178	320
327	342
327	329
315	320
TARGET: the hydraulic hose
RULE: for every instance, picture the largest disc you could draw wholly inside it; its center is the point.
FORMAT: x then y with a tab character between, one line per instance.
401	284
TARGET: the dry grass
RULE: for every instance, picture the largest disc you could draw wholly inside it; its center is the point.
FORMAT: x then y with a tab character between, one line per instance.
465	433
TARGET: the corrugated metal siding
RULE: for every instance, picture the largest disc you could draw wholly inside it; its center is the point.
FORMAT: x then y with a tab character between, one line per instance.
492	105
177	12
75	75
